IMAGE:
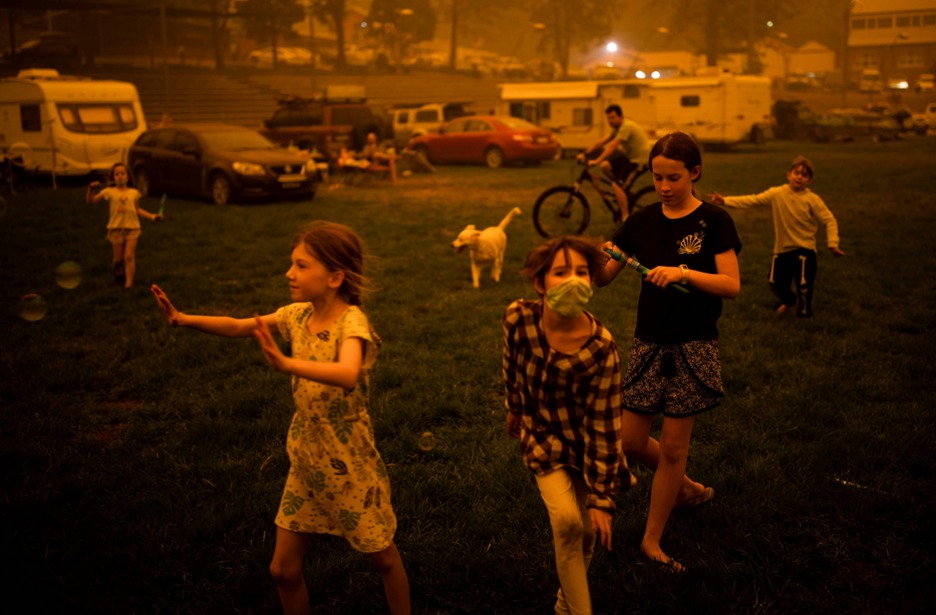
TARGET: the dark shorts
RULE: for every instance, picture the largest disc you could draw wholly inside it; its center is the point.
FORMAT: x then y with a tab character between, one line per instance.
675	379
621	166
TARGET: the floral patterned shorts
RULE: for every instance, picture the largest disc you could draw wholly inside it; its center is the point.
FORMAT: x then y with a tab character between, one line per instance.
675	379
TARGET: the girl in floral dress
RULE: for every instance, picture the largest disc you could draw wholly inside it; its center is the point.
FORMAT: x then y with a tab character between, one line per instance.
337	482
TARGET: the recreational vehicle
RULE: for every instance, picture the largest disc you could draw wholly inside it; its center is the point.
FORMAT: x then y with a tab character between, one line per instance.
67	125
717	110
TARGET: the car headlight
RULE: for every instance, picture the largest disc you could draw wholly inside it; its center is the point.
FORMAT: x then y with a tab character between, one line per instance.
248	168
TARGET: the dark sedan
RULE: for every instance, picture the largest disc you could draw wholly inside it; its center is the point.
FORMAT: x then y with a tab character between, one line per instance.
487	139
219	162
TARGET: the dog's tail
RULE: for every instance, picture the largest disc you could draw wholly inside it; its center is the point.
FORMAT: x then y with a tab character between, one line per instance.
513	212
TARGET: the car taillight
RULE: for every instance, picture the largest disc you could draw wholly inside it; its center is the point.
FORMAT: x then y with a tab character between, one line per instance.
520	137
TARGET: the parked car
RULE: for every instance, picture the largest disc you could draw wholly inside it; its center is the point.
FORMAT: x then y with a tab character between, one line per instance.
925	83
220	162
286	56
928	116
897	82
340	118
488	139
415	121
870	81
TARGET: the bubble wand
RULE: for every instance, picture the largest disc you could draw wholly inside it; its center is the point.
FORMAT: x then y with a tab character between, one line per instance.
634	264
162	206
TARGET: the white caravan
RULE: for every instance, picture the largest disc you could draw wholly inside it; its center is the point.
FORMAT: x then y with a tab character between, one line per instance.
717	110
67	125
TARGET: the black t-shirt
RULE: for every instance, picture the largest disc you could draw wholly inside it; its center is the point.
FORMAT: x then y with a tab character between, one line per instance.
666	316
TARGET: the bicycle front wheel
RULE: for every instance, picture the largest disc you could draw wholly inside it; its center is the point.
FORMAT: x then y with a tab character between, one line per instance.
561	211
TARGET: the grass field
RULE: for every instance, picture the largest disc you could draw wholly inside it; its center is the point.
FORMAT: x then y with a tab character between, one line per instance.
142	465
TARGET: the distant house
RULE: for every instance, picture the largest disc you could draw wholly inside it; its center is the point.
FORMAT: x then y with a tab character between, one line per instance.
812	58
896	37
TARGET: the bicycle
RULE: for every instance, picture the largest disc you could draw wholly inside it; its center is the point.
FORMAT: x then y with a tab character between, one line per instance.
564	210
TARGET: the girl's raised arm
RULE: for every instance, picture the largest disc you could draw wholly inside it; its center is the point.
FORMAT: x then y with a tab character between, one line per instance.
224	326
90	195
342	373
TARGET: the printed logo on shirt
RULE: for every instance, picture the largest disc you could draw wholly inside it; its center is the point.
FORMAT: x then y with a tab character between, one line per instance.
691	244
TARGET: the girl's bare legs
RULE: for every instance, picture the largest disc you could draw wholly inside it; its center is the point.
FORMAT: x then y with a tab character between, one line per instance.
129	258
118	256
396	584
286	569
646	450
669	476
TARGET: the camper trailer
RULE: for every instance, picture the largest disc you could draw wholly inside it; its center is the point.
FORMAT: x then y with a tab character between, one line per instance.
720	109
67	125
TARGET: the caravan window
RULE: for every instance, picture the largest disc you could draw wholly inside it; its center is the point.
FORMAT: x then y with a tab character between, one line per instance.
689	101
582	117
98	119
30	119
631	91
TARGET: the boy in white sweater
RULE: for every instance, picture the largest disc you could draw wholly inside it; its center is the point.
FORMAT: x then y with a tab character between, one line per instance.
797	212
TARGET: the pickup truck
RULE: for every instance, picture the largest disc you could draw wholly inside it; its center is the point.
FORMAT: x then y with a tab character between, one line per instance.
325	124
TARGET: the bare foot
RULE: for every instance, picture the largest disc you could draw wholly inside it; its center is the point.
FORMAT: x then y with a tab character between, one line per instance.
656	554
688	492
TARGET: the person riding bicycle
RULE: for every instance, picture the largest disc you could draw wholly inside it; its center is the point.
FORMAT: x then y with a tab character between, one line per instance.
623	154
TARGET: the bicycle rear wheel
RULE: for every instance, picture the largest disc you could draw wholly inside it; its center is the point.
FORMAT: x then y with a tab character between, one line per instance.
561	211
643	197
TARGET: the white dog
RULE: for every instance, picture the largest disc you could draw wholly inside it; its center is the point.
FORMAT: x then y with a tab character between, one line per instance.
485	247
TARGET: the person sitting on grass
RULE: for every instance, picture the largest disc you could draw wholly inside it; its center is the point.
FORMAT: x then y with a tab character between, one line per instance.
562	375
797	213
371	158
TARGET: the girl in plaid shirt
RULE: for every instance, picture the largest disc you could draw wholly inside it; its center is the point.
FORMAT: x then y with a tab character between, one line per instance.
562	374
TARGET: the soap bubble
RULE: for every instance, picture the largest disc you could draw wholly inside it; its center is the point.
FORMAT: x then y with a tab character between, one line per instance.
68	274
427	441
32	307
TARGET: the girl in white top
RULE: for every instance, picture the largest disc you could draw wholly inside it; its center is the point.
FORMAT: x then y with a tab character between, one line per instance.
123	227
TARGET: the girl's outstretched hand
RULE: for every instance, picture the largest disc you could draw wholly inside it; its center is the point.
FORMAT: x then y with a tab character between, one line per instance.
173	315
271	351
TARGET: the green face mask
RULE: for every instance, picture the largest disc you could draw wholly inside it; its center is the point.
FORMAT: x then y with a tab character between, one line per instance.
569	298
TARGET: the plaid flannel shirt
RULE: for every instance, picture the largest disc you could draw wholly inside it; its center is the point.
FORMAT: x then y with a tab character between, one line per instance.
569	404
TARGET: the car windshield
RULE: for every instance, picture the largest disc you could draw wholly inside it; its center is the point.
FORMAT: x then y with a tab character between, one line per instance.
515	123
235	140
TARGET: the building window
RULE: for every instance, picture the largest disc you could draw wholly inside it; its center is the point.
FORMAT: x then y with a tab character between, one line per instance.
885	22
916	20
30	119
929	20
910	59
903	22
858	24
582	117
866	61
631	91
543	110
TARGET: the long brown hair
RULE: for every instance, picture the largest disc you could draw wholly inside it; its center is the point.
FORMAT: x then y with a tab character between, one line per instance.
339	249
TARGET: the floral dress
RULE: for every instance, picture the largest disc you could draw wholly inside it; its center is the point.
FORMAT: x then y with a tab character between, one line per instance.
337	482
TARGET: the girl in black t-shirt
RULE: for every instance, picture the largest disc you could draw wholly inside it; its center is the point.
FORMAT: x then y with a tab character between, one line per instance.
674	367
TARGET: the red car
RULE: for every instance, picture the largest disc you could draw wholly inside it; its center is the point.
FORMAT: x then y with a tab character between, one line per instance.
489	139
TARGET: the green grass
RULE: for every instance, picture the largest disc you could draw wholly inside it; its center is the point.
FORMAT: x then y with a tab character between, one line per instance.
141	465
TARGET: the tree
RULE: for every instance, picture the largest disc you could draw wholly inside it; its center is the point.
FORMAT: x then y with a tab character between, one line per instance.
268	18
726	24
467	18
400	23
573	23
334	12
